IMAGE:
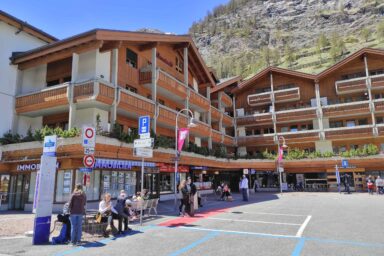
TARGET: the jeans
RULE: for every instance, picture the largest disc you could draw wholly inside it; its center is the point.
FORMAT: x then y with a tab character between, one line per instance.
245	194
76	223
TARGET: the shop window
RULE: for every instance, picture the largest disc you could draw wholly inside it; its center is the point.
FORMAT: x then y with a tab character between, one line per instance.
91	184
131	89
63	185
179	65
113	182
32	184
351	123
166	183
131	58
363	121
4	185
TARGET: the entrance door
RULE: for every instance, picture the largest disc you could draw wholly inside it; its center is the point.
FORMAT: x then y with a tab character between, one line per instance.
18	193
151	182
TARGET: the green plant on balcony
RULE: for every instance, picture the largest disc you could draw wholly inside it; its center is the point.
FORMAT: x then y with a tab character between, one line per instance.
220	151
9	138
164	142
268	155
327	154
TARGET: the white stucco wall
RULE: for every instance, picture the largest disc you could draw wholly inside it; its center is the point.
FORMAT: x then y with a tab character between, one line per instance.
88	117
24	123
103	66
11	42
33	79
87	66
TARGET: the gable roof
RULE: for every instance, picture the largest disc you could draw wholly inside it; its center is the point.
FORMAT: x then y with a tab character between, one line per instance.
266	71
225	83
24	26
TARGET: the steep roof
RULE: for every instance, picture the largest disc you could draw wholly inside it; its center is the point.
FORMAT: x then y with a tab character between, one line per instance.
225	83
24	26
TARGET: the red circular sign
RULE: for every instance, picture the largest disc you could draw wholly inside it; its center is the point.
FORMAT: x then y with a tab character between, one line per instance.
89	133
89	161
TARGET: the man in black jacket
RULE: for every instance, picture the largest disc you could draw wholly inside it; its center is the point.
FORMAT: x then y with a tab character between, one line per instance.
122	213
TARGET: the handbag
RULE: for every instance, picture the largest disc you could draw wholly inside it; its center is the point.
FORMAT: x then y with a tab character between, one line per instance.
98	217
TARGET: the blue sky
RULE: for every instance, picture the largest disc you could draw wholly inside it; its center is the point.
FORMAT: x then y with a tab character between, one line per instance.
68	17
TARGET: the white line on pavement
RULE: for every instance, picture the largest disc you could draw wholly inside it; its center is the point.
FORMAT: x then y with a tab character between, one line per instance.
301	229
269	213
238	232
255	221
12	237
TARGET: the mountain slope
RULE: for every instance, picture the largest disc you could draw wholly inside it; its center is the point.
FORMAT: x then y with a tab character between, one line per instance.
245	36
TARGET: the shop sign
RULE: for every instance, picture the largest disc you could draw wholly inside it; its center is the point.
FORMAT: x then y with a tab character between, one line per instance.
245	171
143	143
119	164
143	152
32	167
86	170
171	168
50	143
204	168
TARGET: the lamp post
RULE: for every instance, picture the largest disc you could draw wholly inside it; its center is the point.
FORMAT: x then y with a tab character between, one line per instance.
280	158
191	124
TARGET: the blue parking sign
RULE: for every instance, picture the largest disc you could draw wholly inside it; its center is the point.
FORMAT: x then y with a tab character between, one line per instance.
344	163
144	125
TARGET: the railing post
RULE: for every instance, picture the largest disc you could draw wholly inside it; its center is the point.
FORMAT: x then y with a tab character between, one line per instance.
368	83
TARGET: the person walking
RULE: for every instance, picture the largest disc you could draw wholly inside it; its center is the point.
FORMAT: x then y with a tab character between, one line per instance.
347	181
244	187
183	197
77	207
255	185
192	199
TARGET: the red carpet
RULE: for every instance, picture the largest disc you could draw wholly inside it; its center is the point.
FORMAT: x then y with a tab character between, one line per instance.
181	221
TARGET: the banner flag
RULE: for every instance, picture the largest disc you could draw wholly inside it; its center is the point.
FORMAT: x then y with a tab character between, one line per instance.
182	135
281	153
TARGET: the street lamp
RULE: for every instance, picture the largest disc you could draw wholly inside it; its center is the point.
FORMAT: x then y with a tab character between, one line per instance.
191	124
280	158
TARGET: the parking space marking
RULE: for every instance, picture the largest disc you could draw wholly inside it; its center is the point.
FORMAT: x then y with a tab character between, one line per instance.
303	226
255	221
239	232
196	243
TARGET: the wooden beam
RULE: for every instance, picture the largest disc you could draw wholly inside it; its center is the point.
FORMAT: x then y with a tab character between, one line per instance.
147	46
181	46
60	55
110	45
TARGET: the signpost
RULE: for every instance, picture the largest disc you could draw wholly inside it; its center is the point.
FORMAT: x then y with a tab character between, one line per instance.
344	163
89	144
89	137
89	161
143	149
45	185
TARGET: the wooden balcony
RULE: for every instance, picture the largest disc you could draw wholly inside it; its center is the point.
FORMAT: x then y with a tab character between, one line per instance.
379	105
343	133
135	104
256	140
227	120
351	86
202	130
84	91
215	114
380	129
256	119
106	94
300	136
298	114
377	82
287	95
167	85
226	100
198	101
346	109
130	75
44	99
216	136
259	99
228	140
167	117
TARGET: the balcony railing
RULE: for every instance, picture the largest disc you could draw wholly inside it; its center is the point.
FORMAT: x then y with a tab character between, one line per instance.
131	75
228	140
287	95
216	136
296	114
136	104
84	90
227	120
346	109
215	114
47	98
199	100
379	105
106	93
167	116
281	96
256	140
349	132
226	100
351	85
259	119
377	82
300	136
201	130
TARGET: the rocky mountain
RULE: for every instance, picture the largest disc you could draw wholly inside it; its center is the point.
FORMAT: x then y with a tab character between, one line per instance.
244	36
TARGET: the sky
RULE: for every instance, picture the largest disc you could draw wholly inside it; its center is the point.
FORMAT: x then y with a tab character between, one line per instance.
69	17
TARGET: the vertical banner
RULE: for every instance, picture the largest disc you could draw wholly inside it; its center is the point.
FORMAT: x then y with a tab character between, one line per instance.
182	135
338	178
281	153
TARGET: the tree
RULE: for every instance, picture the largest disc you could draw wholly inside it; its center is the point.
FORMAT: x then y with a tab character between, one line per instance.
337	47
266	55
365	33
380	31
289	55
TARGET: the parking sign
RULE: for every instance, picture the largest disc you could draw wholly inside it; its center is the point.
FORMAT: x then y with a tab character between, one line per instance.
144	125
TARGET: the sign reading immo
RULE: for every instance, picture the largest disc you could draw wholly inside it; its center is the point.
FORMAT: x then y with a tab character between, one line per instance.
31	167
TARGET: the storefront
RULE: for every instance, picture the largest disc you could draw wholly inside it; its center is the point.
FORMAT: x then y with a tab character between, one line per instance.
167	177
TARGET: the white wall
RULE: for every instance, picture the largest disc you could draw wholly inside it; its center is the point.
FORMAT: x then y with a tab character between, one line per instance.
87	66
33	79
88	117
324	146
103	66
24	123
11	42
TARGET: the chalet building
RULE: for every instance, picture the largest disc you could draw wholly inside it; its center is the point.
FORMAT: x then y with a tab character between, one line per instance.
108	78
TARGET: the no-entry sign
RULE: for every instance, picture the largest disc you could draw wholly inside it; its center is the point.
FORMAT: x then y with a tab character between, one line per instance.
89	161
89	137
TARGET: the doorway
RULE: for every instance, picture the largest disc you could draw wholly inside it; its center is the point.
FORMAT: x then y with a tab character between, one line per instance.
18	191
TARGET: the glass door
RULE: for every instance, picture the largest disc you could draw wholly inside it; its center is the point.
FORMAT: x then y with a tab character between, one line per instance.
19	188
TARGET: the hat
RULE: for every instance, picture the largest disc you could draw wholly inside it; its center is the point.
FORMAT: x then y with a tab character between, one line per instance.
129	202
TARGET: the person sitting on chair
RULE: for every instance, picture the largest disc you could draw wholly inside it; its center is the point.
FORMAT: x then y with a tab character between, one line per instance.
106	210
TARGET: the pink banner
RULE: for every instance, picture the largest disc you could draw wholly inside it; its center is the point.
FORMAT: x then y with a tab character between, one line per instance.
281	153
182	135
